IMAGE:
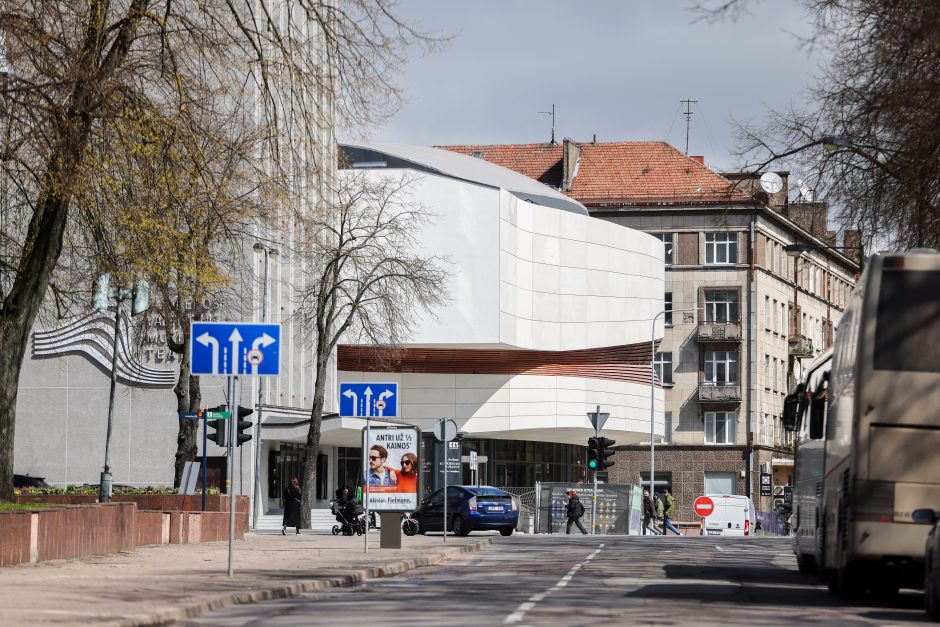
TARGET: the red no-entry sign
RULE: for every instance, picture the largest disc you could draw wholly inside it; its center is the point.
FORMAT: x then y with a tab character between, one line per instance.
703	506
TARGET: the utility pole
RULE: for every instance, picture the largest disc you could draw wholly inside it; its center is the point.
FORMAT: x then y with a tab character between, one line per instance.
688	120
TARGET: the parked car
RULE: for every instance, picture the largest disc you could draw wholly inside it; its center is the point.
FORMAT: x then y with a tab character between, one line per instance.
931	561
469	508
733	516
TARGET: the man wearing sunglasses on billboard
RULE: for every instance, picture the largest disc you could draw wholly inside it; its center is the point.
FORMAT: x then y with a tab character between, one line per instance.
379	474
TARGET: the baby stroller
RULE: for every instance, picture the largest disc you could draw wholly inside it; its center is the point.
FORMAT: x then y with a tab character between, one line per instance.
349	515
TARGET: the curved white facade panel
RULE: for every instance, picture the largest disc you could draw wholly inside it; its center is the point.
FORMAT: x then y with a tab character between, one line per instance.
539	408
533	277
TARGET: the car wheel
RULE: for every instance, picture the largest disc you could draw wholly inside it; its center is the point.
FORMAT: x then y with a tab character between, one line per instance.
459	526
505	531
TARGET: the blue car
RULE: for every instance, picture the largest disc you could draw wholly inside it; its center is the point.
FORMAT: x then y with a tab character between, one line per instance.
469	508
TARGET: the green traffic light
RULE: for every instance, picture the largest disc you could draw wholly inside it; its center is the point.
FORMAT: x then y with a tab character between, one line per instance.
592	464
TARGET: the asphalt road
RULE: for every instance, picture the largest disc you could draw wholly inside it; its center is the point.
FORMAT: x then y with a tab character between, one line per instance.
584	580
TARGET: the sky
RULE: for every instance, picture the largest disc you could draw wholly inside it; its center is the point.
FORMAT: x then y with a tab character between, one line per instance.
614	68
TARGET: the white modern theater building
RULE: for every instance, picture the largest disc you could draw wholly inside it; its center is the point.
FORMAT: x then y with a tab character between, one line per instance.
550	315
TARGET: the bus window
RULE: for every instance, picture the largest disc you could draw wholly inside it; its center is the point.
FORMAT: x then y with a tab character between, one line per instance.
908	307
817	418
791	405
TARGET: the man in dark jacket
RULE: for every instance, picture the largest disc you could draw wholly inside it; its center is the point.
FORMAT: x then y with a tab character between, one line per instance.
649	514
575	511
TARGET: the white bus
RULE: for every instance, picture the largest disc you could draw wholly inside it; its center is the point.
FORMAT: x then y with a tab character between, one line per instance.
805	413
882	428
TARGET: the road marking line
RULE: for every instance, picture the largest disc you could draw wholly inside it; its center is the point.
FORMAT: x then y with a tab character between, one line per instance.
519	613
719	548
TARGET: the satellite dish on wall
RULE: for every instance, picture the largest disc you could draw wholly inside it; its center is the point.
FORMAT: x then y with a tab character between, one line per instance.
771	182
805	192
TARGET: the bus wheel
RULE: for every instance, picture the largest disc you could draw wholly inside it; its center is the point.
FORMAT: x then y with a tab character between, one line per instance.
852	582
806	564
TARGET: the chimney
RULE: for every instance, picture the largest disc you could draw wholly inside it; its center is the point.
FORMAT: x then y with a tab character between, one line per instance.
699	158
571	153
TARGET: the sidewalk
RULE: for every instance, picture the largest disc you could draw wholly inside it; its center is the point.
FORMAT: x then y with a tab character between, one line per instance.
155	584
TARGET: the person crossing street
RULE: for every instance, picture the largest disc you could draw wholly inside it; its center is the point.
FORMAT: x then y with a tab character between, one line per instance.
575	511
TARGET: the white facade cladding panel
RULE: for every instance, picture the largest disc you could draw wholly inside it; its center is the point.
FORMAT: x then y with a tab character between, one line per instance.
542	408
519	279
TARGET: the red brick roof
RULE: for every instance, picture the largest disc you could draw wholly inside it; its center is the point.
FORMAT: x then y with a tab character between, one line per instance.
619	173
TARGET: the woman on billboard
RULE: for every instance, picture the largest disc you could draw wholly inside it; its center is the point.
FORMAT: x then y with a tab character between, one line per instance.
408	475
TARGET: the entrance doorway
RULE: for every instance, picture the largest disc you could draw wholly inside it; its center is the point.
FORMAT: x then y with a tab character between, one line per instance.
288	462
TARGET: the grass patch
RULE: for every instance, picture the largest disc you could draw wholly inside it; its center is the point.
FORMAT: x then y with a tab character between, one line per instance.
5	506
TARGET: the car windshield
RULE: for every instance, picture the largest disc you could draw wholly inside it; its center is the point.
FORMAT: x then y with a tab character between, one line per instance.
486	492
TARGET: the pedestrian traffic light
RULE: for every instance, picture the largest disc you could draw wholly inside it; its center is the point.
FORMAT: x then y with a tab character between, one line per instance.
603	444
593	453
220	426
242	425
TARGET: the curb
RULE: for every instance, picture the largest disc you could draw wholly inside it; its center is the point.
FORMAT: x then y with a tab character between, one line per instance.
193	610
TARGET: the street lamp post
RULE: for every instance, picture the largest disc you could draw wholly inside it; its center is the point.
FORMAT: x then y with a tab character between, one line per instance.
102	292
268	252
653	390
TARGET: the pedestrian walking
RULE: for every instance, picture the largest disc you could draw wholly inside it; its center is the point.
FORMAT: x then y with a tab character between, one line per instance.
575	511
659	509
292	500
649	514
669	511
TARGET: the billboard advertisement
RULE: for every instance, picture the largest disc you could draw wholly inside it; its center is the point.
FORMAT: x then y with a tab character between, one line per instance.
391	468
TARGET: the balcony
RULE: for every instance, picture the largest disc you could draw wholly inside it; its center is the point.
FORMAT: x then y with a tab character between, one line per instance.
719	332
800	346
723	393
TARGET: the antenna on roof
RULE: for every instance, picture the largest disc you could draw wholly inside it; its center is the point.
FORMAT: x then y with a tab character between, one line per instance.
688	120
551	113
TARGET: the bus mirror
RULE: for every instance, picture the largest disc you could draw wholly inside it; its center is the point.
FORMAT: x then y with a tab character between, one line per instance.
790	405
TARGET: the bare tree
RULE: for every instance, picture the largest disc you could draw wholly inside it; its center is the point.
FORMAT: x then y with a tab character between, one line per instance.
75	71
875	106
367	280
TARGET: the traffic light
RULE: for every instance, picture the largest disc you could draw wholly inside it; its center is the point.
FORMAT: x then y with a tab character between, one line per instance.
598	453
593	457
603	444
220	426
242	425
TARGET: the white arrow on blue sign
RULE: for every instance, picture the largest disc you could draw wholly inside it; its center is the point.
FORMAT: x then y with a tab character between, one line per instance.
233	348
368	399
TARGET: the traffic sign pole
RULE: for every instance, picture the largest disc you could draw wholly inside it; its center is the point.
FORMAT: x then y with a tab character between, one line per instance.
233	400
205	443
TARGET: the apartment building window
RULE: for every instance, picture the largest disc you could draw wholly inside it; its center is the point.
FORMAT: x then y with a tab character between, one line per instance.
721	367
774	380
767	371
668	245
721	248
784	321
667	432
776	317
667	305
719	427
767	312
662	365
721	306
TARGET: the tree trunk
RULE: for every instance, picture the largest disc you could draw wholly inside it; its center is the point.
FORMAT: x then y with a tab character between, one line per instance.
188	399
40	256
312	451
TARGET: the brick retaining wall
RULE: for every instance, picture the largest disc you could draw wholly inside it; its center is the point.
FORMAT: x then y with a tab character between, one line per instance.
81	530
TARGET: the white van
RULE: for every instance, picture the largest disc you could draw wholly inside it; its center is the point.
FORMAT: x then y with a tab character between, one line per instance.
733	516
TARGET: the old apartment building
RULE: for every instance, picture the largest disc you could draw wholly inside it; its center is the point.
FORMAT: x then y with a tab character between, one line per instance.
741	315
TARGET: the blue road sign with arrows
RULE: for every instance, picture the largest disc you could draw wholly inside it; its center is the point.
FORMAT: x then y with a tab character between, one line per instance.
235	348
368	399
